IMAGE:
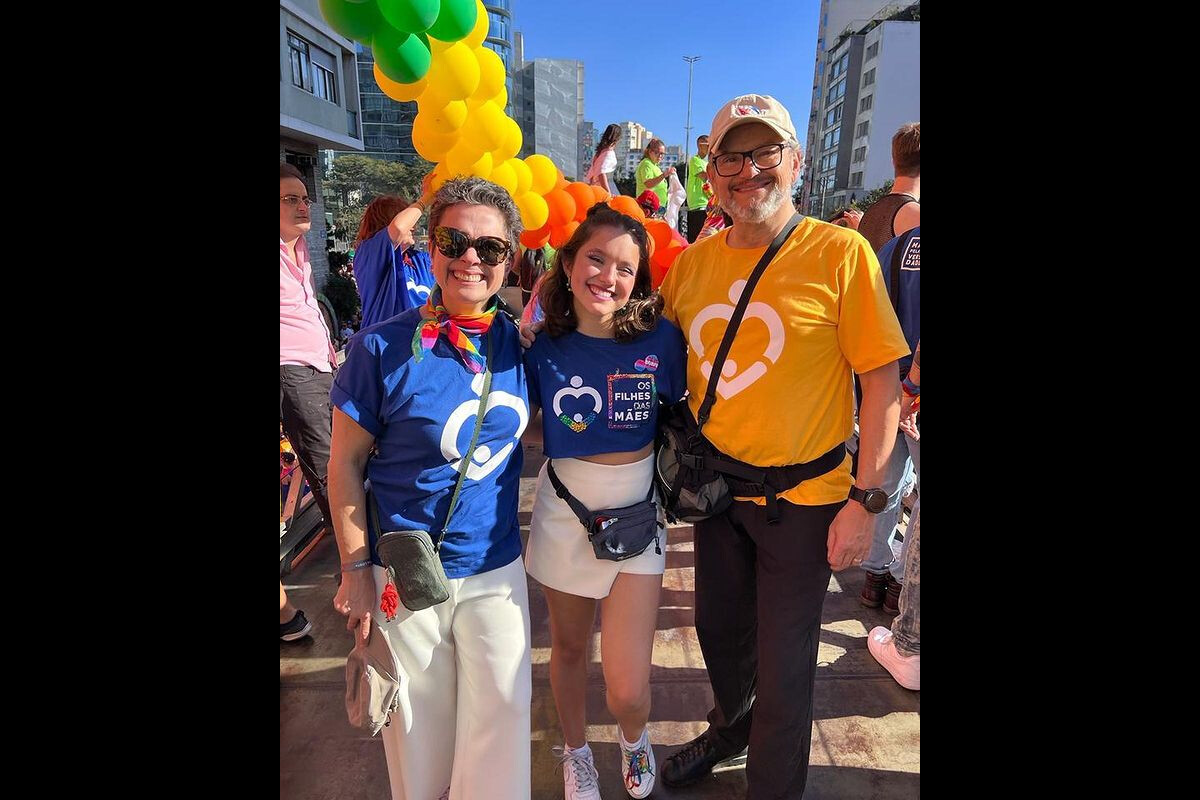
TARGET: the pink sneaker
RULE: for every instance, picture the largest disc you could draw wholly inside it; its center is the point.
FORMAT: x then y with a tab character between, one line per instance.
905	669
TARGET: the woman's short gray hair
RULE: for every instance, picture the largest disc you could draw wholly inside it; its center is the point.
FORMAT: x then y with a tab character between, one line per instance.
475	191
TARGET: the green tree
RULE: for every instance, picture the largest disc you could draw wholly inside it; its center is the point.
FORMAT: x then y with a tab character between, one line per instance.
357	180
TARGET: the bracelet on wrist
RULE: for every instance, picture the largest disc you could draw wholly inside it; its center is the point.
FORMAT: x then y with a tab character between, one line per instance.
911	389
356	565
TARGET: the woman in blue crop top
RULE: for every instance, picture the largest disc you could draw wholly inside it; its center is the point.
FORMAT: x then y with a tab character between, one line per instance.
411	388
597	375
391	275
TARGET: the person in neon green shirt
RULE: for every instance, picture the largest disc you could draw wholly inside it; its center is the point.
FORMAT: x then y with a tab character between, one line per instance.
697	196
649	176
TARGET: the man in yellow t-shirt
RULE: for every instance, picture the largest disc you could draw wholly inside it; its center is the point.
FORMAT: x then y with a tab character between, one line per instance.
819	314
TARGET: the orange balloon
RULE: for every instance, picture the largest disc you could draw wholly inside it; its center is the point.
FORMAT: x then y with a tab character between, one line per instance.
584	199
562	234
659	231
660	265
628	206
601	193
562	208
536	239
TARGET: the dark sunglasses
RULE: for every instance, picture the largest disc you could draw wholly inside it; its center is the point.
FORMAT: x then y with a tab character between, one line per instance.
452	243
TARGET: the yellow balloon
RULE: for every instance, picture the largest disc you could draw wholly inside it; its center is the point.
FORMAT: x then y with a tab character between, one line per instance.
480	31
524	176
491	72
401	92
510	145
431	144
503	175
438	46
450	117
534	211
487	128
478	99
454	72
482	168
463	157
545	176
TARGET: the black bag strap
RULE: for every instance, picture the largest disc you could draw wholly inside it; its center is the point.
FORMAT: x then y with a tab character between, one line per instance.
894	277
580	510
373	506
710	396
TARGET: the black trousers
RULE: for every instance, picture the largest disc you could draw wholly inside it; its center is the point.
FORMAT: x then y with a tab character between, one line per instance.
759	593
308	422
695	221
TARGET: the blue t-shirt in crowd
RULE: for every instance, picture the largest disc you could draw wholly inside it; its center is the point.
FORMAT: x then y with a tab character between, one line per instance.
909	310
390	281
599	396
422	415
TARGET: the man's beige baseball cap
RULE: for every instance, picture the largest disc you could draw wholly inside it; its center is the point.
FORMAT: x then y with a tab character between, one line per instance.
751	108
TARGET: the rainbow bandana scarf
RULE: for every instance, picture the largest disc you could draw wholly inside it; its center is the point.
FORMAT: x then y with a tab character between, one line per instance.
436	319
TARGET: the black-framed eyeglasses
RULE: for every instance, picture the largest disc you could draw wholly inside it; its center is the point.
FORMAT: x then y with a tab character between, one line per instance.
294	200
452	243
766	157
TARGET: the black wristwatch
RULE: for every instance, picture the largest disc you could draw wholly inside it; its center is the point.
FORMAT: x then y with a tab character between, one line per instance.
874	500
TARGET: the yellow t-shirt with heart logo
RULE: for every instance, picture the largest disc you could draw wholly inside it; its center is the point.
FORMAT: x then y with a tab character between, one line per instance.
819	312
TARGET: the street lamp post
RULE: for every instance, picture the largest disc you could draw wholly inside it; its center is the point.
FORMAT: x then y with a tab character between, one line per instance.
687	129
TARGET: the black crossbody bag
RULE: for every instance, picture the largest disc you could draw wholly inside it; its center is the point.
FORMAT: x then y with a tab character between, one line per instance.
615	533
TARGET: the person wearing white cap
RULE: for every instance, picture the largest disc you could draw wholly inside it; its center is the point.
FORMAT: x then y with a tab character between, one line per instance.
784	405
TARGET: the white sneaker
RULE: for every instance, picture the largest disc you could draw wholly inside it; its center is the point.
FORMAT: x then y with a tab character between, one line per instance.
580	778
637	765
905	669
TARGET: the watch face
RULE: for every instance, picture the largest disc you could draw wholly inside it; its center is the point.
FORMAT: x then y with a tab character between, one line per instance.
875	500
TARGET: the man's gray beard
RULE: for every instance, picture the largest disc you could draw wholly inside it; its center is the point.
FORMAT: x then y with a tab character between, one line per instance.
757	212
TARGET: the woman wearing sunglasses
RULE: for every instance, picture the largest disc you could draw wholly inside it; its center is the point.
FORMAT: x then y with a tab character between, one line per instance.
392	275
598	376
411	387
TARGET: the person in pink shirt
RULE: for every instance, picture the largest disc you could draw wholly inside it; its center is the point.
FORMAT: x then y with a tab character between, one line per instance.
306	355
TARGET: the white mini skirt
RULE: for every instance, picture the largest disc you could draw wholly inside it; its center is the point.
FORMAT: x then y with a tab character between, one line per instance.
559	554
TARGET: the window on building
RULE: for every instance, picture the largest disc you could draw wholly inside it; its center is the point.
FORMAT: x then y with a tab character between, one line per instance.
298	55
869	78
866	103
832	138
834	114
860	155
836	92
872	51
324	84
855	180
324	74
839	67
862	128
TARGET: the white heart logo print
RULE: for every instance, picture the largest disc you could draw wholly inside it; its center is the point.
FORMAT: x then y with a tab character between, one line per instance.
418	289
483	463
730	382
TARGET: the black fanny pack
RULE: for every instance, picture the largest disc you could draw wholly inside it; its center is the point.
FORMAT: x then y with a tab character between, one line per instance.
615	533
700	481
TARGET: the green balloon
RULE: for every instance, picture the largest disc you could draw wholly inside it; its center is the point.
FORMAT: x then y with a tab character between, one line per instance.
455	20
401	56
412	16
354	19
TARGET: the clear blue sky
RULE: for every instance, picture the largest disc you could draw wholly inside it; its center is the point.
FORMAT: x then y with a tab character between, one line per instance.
633	56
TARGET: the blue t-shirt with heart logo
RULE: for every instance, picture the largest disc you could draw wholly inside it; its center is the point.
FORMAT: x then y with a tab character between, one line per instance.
600	396
422	415
390	280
